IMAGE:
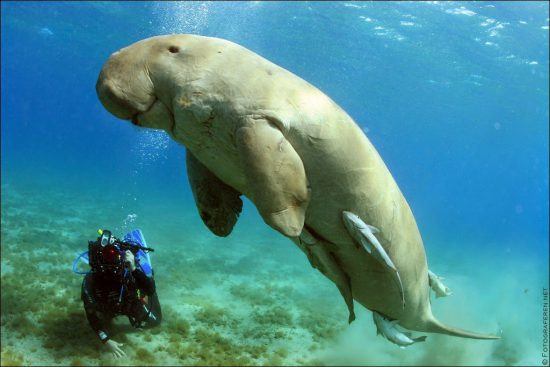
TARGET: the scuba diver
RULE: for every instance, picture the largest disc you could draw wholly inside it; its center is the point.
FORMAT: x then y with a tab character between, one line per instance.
120	283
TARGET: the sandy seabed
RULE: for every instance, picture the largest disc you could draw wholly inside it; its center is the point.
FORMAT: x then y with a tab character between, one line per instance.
249	299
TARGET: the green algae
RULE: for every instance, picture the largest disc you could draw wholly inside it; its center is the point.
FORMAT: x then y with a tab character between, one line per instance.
321	326
77	362
215	316
144	355
211	348
275	315
9	357
179	327
263	294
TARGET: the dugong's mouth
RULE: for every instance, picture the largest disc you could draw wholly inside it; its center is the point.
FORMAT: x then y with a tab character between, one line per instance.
135	117
156	116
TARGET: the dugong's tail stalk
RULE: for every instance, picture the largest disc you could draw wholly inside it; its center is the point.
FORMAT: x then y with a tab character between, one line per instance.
433	325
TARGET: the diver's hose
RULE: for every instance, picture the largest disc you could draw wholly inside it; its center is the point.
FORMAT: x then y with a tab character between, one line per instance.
75	264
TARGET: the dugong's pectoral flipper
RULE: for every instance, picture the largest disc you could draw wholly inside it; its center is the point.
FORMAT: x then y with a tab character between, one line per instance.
364	235
322	259
219	204
275	175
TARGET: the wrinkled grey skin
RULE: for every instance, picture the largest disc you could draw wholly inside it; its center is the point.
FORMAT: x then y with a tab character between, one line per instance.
253	128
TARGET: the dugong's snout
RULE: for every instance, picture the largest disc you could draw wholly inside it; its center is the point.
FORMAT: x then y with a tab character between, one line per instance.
113	101
124	87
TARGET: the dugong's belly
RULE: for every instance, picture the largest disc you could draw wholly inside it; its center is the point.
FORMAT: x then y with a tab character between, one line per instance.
347	173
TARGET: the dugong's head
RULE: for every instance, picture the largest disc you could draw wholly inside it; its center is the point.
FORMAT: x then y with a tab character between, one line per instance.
138	82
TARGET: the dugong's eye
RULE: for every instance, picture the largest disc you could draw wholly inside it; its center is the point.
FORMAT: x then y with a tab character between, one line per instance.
173	49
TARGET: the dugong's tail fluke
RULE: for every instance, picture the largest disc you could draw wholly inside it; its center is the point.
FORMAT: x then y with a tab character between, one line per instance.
435	326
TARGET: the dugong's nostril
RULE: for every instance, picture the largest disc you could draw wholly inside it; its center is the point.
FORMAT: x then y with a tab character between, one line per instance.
173	49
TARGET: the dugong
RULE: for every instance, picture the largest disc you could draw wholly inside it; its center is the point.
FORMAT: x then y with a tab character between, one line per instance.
252	128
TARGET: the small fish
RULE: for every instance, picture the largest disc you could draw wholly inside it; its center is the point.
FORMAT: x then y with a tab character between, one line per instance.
45	31
389	330
365	235
440	289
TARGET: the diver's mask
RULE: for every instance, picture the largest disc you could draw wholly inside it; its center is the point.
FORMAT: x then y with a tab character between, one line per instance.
106	237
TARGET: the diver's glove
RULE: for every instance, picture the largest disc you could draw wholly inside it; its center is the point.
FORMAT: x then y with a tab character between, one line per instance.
130	260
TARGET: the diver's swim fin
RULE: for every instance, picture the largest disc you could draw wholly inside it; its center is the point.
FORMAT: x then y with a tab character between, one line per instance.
364	235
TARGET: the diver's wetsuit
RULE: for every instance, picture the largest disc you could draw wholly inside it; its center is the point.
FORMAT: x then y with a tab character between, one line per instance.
139	301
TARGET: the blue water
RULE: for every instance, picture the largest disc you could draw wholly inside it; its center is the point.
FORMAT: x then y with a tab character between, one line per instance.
453	95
